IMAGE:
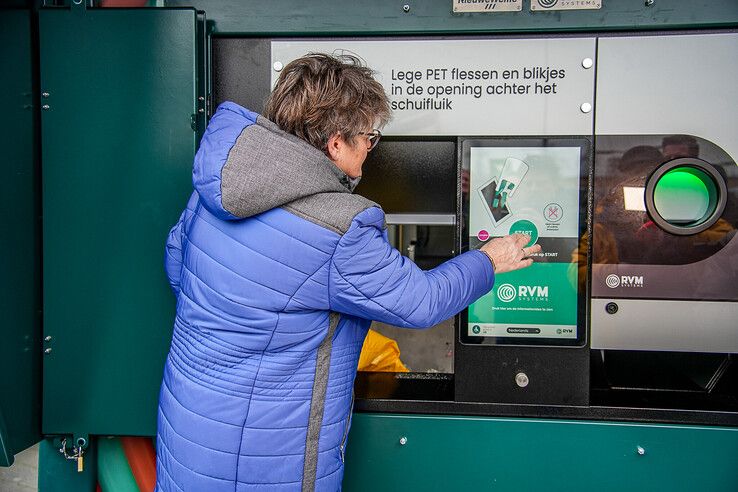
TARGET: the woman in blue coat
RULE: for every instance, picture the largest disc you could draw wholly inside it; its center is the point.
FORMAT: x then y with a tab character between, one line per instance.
278	271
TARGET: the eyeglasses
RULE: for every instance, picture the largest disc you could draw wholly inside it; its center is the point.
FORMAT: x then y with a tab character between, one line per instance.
373	137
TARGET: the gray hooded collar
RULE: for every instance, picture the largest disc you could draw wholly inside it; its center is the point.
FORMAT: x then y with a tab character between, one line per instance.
268	168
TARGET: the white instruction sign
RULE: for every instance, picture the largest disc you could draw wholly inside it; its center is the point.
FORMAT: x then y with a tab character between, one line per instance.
473	86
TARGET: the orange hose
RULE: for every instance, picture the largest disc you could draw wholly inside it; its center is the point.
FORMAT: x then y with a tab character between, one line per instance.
142	460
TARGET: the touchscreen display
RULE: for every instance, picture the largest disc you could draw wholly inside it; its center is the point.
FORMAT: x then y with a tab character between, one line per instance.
538	191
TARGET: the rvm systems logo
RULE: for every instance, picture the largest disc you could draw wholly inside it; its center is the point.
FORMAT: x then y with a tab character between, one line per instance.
614	281
508	292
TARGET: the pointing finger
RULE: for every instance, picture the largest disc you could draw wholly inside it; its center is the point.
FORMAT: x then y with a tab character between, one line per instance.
536	248
521	239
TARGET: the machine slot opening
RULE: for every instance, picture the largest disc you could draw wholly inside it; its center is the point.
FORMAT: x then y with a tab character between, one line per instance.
685	196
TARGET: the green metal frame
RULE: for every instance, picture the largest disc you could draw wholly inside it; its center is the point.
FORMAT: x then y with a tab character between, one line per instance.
57	474
107	121
425	17
442	453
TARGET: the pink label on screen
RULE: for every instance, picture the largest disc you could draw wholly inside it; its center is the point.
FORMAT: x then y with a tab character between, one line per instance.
483	235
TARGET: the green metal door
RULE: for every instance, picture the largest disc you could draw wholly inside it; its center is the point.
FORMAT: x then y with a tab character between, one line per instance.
20	329
455	453
118	139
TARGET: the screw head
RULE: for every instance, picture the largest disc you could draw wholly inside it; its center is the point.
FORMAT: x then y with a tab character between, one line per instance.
611	308
45	94
47	351
403	441
278	66
406	8
640	450
45	107
649	3
585	107
47	338
521	379
587	63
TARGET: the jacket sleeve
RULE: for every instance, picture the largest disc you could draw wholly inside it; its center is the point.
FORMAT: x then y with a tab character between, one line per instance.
173	254
370	279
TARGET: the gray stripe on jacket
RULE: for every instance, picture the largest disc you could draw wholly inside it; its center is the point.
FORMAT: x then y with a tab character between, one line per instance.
317	405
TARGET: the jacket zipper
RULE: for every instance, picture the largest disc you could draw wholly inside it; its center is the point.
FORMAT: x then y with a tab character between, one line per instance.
346	429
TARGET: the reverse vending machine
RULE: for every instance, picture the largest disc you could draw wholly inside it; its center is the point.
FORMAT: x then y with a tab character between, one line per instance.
605	131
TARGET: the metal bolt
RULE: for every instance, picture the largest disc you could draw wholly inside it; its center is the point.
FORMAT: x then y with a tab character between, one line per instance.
521	379
587	63
45	107
45	94
47	351
640	450
201	110
586	107
611	308
278	66
406	8
47	339
649	3
200	98
403	441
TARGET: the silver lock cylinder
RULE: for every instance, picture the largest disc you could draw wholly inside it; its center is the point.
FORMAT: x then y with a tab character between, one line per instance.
521	379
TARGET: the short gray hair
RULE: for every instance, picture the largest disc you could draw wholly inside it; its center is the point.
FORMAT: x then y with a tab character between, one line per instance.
320	95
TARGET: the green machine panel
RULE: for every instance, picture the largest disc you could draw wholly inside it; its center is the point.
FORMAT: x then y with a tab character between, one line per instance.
354	17
118	139
431	453
20	329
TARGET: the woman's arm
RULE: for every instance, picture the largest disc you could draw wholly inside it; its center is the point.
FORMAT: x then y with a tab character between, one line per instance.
371	279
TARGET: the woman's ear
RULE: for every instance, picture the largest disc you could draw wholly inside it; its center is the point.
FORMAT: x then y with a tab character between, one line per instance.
335	144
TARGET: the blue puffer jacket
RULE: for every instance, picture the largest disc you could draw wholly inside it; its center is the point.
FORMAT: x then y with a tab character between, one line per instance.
278	270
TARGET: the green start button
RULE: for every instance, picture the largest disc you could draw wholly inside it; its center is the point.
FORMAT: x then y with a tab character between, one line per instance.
525	227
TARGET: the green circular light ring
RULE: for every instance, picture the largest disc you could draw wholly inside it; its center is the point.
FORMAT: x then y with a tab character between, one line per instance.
685	196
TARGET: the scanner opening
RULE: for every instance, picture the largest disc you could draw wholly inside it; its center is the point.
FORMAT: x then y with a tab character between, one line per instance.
685	196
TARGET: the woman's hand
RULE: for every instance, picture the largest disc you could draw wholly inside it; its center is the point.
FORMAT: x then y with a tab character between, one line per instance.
509	253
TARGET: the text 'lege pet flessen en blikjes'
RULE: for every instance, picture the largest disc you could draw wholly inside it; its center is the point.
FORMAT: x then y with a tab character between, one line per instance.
434	88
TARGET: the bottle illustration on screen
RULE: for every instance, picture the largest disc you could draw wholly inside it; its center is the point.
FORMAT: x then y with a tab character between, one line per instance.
496	192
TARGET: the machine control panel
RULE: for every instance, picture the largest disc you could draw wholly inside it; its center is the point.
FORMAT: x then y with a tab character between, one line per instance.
531	187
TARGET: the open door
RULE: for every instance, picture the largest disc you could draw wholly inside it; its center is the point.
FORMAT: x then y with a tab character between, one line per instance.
119	133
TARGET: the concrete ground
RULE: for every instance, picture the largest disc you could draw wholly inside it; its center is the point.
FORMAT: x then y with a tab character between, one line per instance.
23	475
